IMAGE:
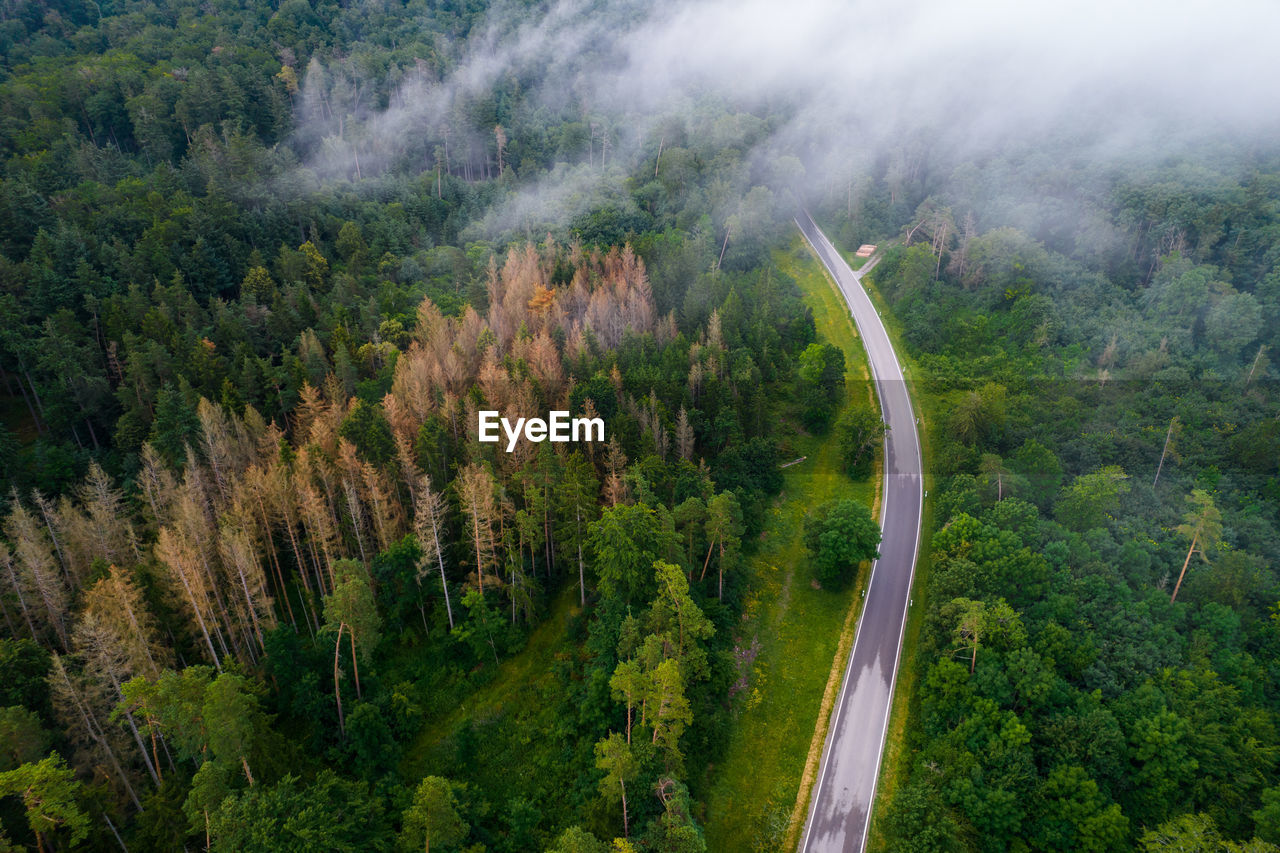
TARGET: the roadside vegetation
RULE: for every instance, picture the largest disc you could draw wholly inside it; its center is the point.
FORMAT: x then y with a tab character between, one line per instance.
793	628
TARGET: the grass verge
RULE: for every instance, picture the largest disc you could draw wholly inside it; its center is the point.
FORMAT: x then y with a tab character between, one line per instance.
753	794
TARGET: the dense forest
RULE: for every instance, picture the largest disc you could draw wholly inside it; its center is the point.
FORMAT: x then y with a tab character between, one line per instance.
1097	666
252	546
256	570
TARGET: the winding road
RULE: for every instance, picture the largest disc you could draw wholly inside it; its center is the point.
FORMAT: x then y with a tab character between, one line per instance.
840	808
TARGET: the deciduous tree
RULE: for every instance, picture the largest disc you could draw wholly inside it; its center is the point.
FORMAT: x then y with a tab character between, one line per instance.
840	534
48	790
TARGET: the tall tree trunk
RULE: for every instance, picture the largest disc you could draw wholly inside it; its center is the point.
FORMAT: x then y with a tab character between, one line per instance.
626	827
146	756
1185	563
17	589
707	561
35	419
1168	435
275	559
204	629
111	826
46	512
720	567
95	732
337	686
300	559
137	737
1258	358
582	577
35	395
444	581
548	544
355	665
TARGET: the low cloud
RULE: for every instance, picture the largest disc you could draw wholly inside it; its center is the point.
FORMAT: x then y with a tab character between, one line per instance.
845	82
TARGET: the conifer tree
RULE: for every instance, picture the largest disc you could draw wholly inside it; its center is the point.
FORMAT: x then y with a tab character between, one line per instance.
428	522
479	503
614	757
39	576
577	506
351	609
176	554
83	711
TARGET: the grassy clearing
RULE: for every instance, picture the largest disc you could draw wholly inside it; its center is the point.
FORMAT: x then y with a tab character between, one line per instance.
752	794
516	687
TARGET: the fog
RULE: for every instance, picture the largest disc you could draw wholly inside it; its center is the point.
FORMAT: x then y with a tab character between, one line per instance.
842	83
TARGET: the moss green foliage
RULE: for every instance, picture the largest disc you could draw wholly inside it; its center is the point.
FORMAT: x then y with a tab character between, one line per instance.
48	792
432	818
840	535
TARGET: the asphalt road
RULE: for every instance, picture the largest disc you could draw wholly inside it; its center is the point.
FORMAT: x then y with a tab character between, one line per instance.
840	809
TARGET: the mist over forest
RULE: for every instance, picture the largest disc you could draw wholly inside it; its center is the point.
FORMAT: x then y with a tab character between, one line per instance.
263	264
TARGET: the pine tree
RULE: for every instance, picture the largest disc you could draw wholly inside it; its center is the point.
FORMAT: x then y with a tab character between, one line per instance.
1202	525
232	720
350	467
317	521
684	435
218	445
19	588
671	712
255	492
476	492
108	517
107	663
577	505
179	558
38	572
613	756
428	523
433	816
384	509
49	514
82	711
629	684
615	487
351	609
116	600
241	561
724	532
157	483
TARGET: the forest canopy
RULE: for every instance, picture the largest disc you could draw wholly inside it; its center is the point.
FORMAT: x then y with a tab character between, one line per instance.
262	586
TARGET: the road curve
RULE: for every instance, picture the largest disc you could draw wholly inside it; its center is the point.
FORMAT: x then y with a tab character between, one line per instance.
840	808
